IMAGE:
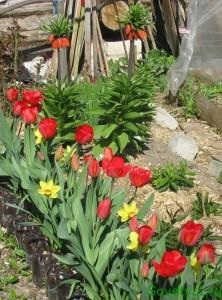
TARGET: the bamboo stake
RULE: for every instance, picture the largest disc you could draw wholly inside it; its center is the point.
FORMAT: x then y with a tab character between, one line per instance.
79	46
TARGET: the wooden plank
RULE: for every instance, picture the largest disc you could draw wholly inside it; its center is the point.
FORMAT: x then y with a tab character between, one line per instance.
101	44
44	8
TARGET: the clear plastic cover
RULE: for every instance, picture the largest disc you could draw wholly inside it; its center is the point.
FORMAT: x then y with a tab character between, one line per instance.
201	47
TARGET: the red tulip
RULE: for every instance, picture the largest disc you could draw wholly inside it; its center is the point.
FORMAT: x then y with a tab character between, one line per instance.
75	162
190	233
48	128
172	263
33	97
18	107
12	94
108	153
134	224
116	167
84	134
29	114
153	222
145	270
206	254
139	176
145	234
104	209
93	167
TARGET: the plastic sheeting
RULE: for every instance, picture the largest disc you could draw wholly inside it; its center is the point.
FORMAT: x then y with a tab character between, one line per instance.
201	47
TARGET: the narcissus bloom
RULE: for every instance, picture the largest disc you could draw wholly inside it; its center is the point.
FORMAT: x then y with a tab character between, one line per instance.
190	233
134	241
206	254
128	211
172	263
49	189
194	263
38	137
139	176
84	134
48	127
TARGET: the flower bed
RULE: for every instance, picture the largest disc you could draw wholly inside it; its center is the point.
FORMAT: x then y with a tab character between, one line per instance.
90	229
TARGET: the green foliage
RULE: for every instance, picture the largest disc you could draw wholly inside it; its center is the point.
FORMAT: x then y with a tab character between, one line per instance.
211	90
204	206
127	108
155	66
138	16
59	26
173	177
187	98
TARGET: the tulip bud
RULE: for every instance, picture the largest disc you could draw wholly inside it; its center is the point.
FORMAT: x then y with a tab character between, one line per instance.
153	222
75	162
145	234
93	167
206	254
104	209
40	155
145	270
133	224
108	153
59	153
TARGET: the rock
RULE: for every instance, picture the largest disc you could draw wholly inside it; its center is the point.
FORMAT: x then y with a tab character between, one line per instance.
164	119
33	65
183	145
215	168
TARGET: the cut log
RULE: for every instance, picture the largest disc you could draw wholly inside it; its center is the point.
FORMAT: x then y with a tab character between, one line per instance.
108	14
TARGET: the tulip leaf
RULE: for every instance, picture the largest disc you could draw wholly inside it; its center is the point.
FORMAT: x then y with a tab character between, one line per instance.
146	206
108	130
68	259
105	253
6	134
29	145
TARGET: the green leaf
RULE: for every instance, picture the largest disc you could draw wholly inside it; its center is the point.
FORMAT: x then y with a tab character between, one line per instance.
146	206
108	130
123	140
29	145
68	259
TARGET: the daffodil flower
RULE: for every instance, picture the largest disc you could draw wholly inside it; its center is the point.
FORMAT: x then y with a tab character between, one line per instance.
49	189
134	241
194	263
38	137
128	211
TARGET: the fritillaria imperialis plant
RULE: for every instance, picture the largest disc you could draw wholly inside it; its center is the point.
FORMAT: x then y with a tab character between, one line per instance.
59	28
134	21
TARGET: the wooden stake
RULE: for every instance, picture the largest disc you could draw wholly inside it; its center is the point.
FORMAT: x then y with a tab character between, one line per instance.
95	39
88	8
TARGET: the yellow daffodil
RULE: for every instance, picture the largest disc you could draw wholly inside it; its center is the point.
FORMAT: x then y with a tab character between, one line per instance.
128	211
194	263
49	189
38	137
134	241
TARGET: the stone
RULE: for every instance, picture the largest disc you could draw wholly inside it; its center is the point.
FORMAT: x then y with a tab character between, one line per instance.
183	145
165	120
215	168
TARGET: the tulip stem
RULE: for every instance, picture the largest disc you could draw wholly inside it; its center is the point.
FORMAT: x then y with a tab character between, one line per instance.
111	188
134	195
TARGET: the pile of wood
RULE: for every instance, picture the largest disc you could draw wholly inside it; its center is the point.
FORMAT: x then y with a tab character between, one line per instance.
28	17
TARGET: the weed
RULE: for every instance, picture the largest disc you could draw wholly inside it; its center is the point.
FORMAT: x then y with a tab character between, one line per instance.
204	206
173	177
